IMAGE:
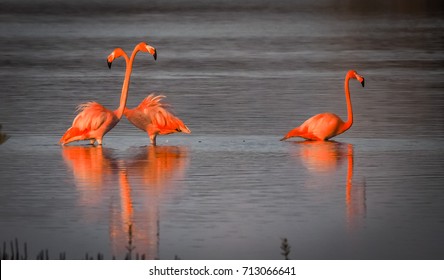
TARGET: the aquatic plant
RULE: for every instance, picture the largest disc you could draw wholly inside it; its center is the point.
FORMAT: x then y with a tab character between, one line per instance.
130	247
15	252
285	248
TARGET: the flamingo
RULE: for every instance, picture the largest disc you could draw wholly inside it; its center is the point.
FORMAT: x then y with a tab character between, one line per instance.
93	120
151	115
324	126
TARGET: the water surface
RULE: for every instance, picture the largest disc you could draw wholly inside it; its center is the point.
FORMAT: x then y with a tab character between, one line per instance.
240	75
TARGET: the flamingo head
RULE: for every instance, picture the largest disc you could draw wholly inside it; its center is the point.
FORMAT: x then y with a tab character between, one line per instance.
144	47
358	77
152	51
118	52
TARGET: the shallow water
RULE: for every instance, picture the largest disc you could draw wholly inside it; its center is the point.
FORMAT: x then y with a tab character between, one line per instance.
240	76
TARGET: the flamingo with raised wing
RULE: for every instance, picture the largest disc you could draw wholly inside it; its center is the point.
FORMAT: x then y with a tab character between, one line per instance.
152	115
324	126
94	120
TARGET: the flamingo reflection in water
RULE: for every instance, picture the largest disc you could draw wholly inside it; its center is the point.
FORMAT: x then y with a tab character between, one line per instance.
325	157
91	167
144	181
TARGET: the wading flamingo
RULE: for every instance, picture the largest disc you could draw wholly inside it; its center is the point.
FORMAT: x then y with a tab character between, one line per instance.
94	120
327	125
151	115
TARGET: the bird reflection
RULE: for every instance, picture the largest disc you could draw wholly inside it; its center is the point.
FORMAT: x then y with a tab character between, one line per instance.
91	167
325	157
157	166
153	171
142	180
322	156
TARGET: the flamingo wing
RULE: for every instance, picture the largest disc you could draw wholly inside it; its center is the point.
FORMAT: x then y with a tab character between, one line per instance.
322	126
91	116
161	118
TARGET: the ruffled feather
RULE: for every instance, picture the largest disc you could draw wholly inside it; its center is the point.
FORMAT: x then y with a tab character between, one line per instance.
90	117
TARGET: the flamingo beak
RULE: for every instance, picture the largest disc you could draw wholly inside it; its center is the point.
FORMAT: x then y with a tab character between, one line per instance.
110	59
360	79
152	51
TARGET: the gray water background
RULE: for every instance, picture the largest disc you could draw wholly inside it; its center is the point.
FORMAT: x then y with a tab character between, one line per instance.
240	75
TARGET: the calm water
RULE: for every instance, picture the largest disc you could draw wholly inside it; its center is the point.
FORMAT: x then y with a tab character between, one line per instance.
240	76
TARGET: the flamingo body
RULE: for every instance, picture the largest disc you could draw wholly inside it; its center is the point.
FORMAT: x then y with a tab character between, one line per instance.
92	123
324	126
154	117
319	127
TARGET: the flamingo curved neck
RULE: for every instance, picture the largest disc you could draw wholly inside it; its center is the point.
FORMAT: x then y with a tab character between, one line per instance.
125	87
129	67
349	121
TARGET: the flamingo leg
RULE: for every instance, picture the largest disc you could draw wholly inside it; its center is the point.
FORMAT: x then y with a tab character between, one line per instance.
153	139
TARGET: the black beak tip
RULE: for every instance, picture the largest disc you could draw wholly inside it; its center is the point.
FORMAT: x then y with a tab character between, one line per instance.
109	64
155	56
363	83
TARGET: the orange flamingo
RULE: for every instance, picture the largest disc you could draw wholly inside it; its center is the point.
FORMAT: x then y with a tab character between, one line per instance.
151	115
327	125
94	120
